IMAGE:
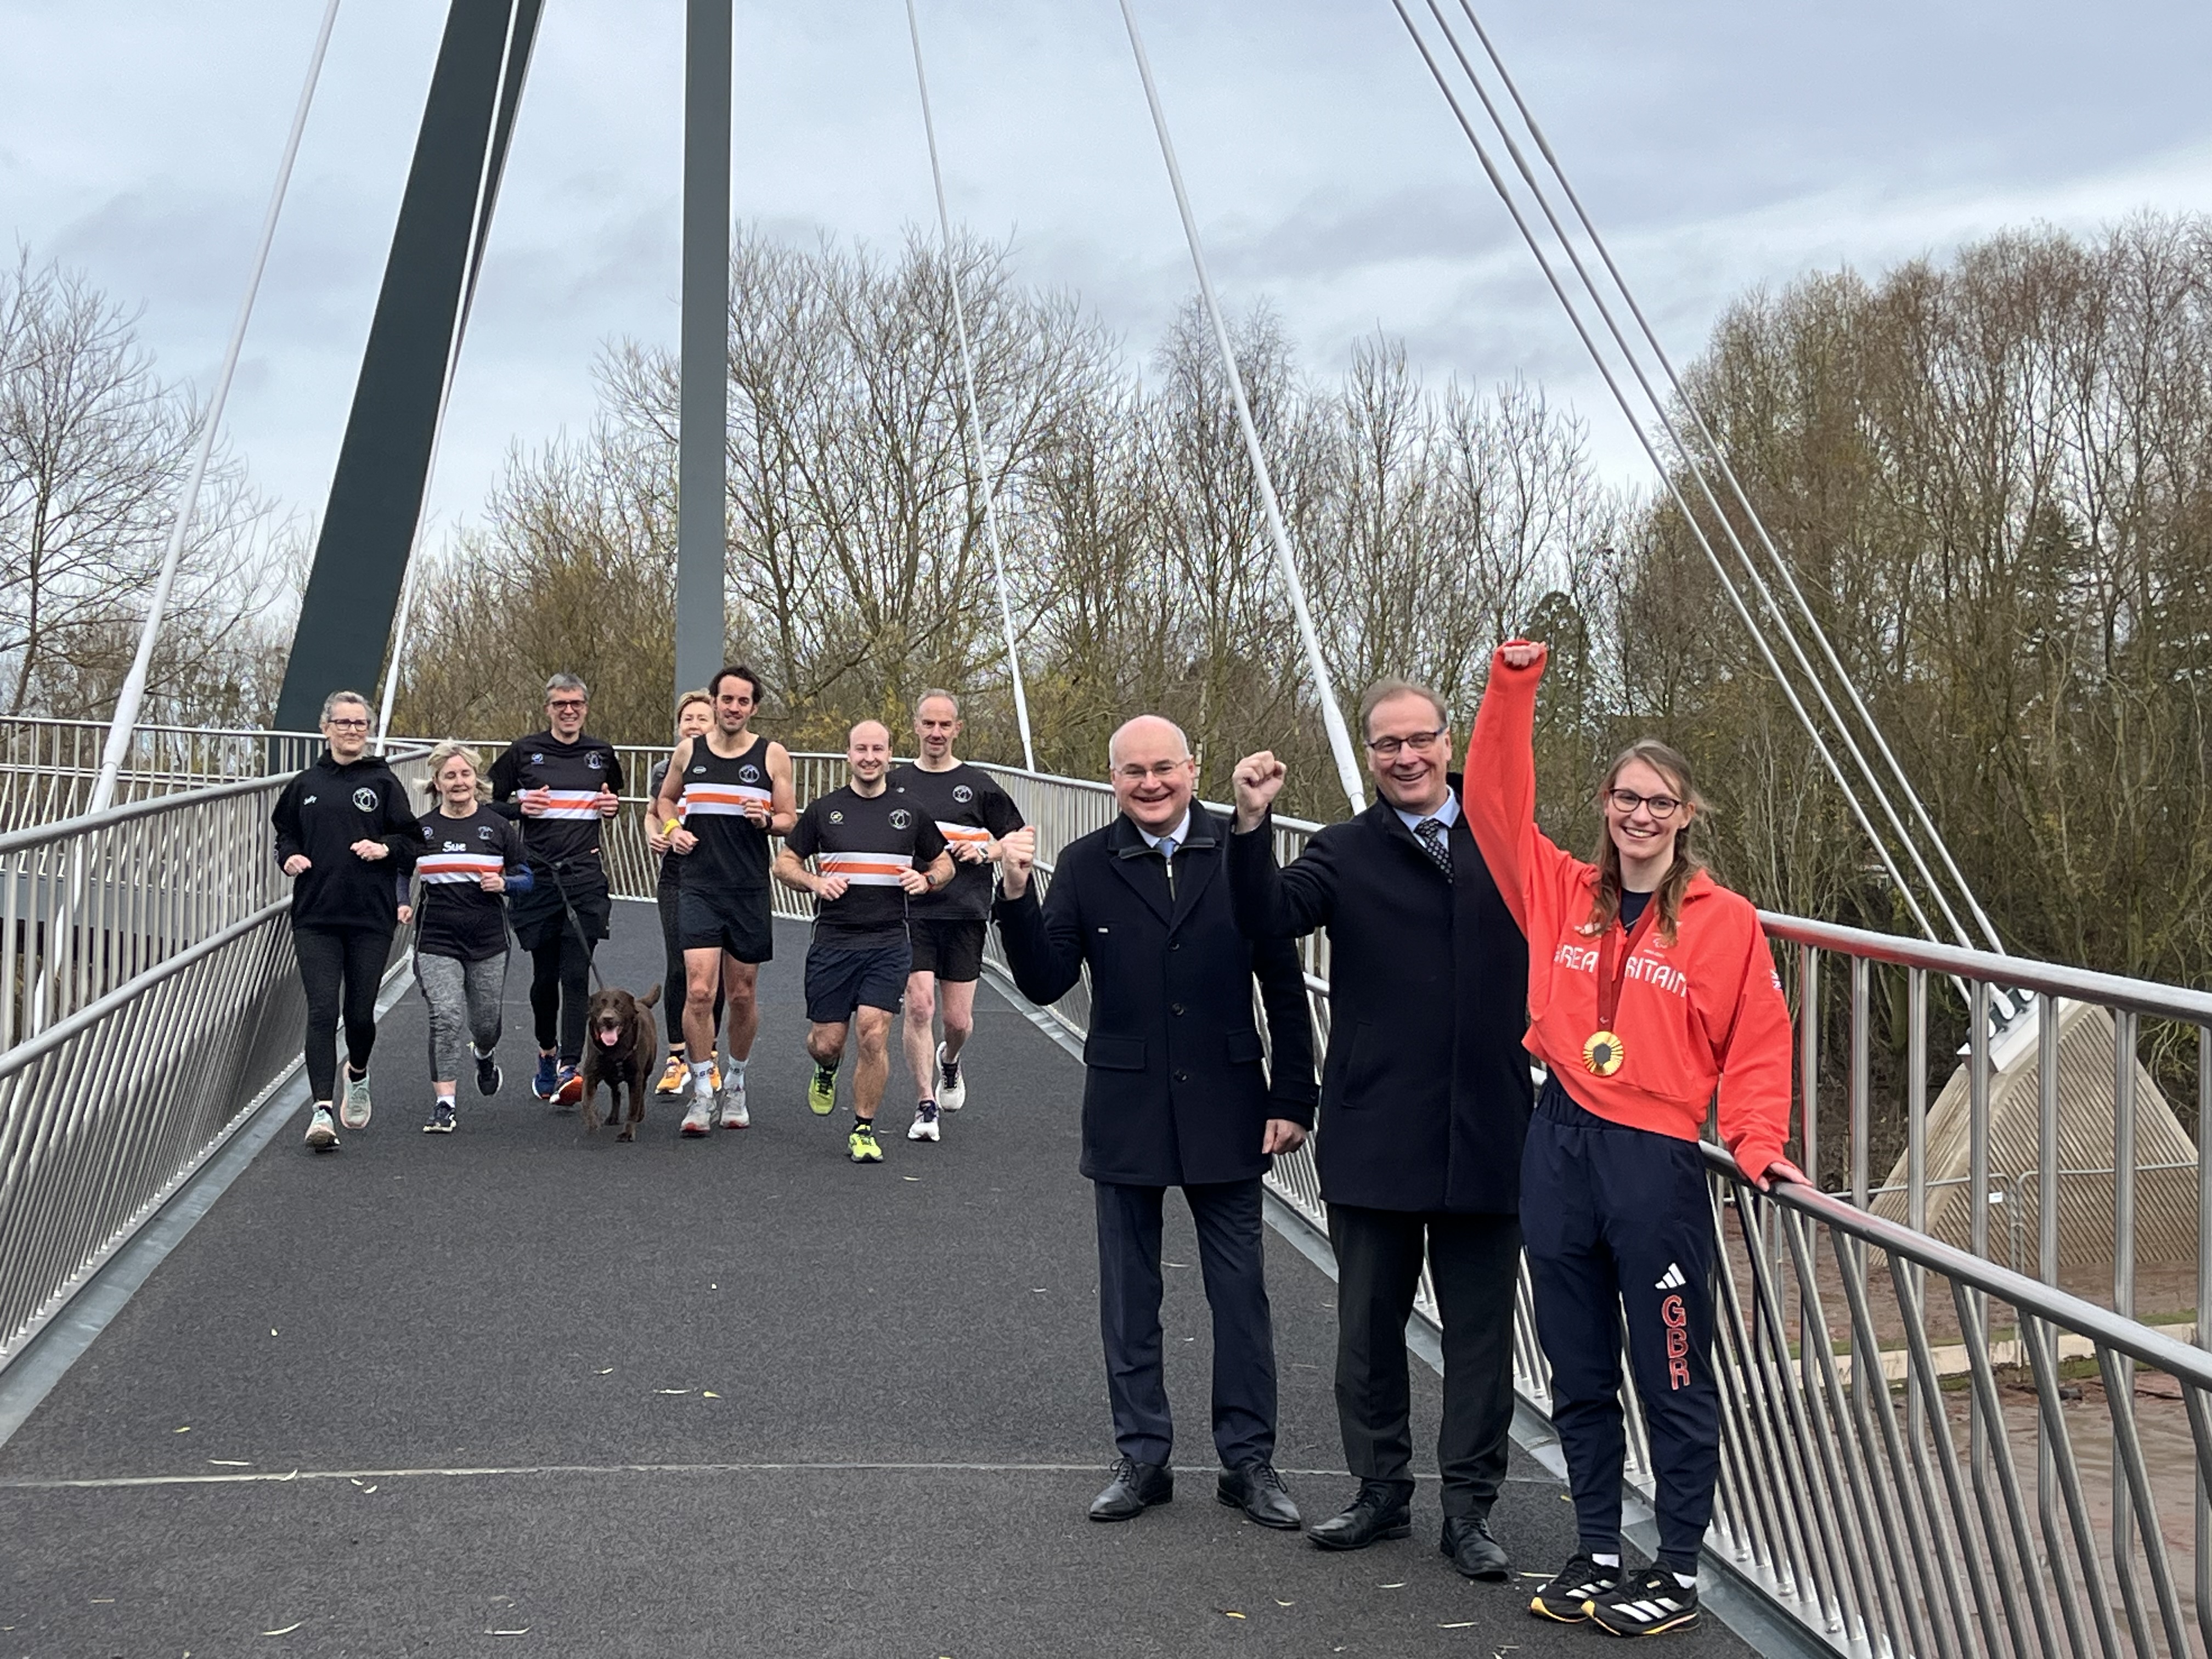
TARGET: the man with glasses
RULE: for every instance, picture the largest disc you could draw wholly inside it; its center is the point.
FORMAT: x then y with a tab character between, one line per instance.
1426	1097
1176	1093
562	782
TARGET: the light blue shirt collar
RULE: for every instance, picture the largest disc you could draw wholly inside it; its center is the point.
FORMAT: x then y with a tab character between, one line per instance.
1180	834
1447	815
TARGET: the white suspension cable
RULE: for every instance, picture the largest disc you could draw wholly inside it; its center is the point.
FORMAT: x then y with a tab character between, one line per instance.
974	412
1692	464
1727	472
479	233
1332	717
133	694
1665	478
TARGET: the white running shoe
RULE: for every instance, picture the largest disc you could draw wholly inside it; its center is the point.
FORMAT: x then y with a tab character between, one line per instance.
700	1120
924	1126
734	1114
322	1134
951	1091
353	1112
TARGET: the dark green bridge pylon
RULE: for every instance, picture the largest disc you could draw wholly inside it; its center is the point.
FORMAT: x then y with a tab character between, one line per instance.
376	494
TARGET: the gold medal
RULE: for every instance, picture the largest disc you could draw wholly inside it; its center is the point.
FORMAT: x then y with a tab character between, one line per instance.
1603	1054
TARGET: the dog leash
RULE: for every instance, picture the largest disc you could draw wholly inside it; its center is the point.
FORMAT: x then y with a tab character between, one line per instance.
575	921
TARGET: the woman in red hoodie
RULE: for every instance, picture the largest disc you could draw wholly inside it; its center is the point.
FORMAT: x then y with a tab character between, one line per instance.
1651	990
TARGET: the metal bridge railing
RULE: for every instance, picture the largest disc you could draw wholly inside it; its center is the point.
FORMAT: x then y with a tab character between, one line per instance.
48	767
152	1002
2022	1475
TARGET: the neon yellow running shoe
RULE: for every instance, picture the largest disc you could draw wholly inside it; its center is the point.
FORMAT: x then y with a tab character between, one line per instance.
861	1144
822	1092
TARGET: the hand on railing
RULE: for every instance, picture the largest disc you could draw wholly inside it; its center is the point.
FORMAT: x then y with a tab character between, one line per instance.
1258	779
1780	1169
1020	850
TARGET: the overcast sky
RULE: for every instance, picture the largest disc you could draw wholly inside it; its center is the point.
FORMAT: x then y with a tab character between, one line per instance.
1718	145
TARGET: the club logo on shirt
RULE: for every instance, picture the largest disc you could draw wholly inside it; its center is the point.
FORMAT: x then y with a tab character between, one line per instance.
483	832
900	818
538	760
837	818
596	761
364	799
310	801
749	773
698	771
963	793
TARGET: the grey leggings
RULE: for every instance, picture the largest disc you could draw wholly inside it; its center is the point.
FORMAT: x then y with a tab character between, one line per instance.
464	1004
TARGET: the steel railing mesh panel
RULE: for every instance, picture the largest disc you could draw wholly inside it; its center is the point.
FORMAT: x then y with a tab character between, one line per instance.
1922	1451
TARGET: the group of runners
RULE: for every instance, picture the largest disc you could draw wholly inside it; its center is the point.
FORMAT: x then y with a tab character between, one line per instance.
898	861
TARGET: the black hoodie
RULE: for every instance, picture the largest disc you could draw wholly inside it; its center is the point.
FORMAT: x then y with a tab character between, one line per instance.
321	813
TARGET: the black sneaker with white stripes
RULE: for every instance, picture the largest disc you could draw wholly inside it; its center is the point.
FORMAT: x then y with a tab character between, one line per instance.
1648	1604
1566	1596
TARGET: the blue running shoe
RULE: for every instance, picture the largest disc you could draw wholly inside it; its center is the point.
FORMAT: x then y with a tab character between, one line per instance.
547	1082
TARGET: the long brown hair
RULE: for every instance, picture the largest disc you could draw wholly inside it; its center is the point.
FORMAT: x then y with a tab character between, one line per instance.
1605	903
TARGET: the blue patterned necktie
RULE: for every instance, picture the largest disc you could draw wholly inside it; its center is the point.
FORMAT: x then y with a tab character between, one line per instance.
1430	832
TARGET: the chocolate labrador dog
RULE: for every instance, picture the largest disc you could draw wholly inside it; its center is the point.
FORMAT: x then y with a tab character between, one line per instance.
620	1049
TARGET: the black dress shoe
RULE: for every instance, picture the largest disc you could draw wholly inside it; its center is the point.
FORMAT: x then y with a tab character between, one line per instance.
1379	1512
1467	1540
1257	1490
1134	1488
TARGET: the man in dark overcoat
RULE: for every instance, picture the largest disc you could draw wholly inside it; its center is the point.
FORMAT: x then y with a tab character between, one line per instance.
1425	1096
1175	1094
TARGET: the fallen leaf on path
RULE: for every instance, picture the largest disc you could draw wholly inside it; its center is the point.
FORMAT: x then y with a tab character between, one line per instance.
709	1394
608	1370
1282	1603
1401	1584
288	1629
1229	1613
368	1489
231	1462
188	1429
524	1631
1464	1624
672	1391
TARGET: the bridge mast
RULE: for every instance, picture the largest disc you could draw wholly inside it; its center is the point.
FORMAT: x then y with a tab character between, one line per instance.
703	412
376	493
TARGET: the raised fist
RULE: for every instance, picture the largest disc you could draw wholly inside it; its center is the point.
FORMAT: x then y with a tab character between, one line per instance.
1523	654
1258	779
1018	857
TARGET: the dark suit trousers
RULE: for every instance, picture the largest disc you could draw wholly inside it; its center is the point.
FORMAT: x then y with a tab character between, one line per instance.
1230	1255
1476	1261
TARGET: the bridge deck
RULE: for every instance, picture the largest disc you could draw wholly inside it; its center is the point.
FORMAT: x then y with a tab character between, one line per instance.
680	1398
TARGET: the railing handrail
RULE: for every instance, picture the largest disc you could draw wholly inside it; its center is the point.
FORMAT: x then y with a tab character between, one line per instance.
253	731
16	840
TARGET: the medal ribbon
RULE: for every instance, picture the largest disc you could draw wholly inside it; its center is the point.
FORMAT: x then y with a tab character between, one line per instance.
1612	956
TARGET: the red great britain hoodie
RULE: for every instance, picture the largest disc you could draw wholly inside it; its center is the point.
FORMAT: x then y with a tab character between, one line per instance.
1703	1014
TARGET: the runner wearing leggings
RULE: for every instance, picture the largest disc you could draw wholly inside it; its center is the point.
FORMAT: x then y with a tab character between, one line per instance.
468	855
694	717
346	837
562	782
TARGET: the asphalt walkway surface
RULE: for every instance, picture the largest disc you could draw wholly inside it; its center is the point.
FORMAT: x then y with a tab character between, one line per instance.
517	1391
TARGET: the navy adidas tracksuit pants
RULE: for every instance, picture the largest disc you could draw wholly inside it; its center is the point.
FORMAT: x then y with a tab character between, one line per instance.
1618	1219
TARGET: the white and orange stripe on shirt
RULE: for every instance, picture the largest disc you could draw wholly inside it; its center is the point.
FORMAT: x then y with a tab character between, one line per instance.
571	803
866	869
954	834
458	866
726	799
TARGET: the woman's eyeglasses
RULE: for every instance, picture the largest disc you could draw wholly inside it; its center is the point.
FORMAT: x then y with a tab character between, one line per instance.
1626	801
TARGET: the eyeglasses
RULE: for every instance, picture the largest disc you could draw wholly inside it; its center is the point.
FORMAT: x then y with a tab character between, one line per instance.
1419	741
1159	770
567	706
1626	801
347	725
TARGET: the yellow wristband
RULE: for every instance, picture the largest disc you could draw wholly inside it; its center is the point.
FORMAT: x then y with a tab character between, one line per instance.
671	826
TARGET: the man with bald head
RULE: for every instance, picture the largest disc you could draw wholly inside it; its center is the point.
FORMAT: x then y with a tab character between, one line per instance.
871	853
1178	1092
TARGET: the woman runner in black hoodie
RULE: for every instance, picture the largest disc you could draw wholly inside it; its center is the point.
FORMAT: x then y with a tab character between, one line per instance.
345	835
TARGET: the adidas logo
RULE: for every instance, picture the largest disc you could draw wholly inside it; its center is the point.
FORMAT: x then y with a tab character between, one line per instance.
1673	1279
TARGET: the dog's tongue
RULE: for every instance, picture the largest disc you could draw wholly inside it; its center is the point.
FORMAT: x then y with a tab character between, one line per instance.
608	1039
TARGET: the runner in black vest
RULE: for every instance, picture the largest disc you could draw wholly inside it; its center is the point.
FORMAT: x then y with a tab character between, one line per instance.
873	854
695	718
562	782
725	794
947	928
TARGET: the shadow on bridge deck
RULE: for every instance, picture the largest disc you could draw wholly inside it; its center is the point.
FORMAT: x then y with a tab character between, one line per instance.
549	1394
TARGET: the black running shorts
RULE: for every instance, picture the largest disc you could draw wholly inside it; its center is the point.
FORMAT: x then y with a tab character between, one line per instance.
539	916
953	951
839	981
736	922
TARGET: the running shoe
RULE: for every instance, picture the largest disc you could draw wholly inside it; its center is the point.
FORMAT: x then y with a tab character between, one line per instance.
571	1089
861	1143
951	1092
547	1082
924	1126
1649	1604
822	1093
734	1114
1566	1596
700	1120
322	1133
353	1111
441	1118
488	1077
674	1076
